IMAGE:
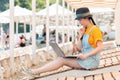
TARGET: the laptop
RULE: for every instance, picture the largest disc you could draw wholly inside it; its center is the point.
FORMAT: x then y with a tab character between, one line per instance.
59	52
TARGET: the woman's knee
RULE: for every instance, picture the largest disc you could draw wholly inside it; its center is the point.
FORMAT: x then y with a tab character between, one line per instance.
61	60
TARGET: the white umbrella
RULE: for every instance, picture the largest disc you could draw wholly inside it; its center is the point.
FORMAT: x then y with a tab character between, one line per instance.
97	10
52	14
52	11
4	19
19	11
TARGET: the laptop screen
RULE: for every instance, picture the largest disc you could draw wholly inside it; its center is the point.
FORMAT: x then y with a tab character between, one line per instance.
57	49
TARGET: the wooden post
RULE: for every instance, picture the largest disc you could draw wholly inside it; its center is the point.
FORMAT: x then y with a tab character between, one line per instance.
117	23
12	36
33	26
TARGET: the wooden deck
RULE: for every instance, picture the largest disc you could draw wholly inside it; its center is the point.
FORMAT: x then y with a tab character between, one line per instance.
110	58
115	75
109	63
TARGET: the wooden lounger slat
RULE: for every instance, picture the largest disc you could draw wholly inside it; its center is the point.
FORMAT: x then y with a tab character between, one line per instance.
80	78
89	78
62	78
116	75
107	76
108	62
70	78
98	77
114	60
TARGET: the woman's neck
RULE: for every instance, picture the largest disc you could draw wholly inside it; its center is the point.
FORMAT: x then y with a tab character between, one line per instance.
89	24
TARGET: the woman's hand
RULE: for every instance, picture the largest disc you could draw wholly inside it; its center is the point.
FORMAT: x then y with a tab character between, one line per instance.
82	56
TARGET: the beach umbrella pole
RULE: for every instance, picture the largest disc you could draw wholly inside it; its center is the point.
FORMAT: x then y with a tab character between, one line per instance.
33	26
12	36
57	2
63	23
117	23
47	25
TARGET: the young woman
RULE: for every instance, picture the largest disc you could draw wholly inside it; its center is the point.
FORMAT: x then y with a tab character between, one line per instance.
91	47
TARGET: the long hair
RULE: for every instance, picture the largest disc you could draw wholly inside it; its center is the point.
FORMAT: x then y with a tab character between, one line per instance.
90	18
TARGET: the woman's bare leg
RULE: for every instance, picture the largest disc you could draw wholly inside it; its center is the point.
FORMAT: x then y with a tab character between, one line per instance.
56	64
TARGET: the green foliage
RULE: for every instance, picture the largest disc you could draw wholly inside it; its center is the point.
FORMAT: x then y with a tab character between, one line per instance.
52	2
40	4
17	2
4	5
24	3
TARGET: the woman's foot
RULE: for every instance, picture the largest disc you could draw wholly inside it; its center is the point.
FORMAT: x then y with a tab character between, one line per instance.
30	73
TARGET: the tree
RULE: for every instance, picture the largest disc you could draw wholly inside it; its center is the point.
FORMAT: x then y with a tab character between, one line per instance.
4	5
24	3
40	4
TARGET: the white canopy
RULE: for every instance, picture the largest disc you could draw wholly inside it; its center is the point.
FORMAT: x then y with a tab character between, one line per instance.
52	10
97	10
52	13
19	11
4	19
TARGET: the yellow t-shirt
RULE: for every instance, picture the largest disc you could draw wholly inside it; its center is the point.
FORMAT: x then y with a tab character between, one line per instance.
95	35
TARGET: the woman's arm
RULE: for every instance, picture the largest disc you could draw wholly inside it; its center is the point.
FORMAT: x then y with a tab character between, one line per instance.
95	51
